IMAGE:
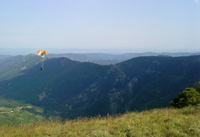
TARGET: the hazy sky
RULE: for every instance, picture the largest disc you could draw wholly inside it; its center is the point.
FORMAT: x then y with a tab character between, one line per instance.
101	25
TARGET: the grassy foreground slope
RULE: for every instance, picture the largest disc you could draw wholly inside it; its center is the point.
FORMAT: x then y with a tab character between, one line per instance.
156	122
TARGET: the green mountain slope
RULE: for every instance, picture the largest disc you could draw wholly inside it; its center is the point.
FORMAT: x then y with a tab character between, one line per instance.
158	122
14	112
70	89
158	79
13	66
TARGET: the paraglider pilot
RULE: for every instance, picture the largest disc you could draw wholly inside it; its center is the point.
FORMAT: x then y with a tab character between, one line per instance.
42	53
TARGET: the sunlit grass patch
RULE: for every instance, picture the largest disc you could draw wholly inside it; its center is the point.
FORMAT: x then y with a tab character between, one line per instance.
156	122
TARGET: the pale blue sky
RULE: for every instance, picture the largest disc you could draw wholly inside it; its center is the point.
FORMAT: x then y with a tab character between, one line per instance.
101	25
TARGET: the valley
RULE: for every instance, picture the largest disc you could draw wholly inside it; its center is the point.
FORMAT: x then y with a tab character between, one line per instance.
70	89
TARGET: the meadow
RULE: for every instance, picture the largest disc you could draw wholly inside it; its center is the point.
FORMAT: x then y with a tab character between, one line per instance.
166	122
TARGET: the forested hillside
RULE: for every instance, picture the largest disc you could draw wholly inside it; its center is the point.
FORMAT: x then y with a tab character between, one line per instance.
70	89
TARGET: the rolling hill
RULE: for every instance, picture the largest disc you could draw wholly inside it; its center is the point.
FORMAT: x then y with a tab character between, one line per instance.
107	59
14	65
93	58
14	112
71	89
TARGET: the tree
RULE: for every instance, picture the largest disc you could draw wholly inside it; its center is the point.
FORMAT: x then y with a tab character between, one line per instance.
189	97
197	86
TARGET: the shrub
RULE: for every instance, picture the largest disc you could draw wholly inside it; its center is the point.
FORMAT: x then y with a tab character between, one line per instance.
189	97
197	86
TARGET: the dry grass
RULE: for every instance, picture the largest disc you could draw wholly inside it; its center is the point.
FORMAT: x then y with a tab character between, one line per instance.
157	123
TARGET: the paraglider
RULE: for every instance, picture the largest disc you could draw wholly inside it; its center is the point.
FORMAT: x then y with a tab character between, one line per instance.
42	53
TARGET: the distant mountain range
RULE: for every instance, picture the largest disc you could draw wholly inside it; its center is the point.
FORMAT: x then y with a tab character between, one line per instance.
70	88
106	59
4	56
